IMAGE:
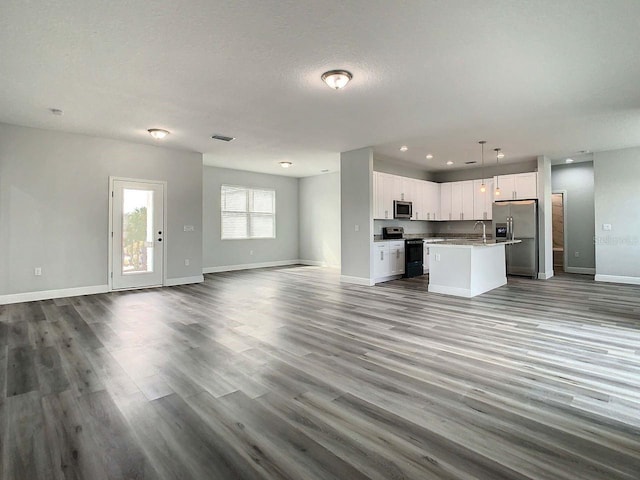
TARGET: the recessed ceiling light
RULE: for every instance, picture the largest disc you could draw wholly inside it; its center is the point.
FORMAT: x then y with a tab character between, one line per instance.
336	79
449	162
285	164
569	160
56	111
429	156
158	133
404	148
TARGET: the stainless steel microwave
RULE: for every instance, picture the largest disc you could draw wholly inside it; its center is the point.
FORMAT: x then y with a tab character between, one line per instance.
402	209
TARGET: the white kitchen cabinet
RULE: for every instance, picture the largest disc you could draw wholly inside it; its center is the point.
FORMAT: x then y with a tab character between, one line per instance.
483	202
383	192
445	201
519	186
396	257
425	259
418	211
432	200
462	200
381	261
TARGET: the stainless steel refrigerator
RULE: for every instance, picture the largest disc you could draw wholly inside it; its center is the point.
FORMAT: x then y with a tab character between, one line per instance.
518	220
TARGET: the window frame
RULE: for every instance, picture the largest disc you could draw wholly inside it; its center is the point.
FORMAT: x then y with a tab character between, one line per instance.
248	212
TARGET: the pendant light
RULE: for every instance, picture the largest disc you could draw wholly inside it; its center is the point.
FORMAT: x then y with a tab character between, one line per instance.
483	187
499	155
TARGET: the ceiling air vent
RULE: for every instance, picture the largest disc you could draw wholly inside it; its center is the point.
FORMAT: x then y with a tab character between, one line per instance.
224	138
470	163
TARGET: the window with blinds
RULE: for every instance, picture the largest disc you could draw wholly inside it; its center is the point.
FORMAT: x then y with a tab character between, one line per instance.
247	212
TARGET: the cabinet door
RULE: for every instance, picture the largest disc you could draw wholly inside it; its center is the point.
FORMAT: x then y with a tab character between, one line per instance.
456	201
482	202
432	201
445	201
386	185
396	258
377	196
467	200
526	186
507	184
381	264
418	211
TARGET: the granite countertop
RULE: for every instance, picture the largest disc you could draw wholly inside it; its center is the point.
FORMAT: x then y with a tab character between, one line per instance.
458	243
431	237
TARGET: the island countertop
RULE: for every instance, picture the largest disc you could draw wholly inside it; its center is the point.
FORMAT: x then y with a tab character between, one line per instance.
461	243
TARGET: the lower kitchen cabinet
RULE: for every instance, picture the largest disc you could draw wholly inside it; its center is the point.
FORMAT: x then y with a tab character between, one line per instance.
388	259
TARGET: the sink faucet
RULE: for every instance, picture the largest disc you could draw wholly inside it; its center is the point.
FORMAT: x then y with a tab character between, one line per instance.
484	230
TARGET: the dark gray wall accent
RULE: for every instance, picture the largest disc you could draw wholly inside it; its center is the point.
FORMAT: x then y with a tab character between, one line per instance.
320	219
577	180
218	252
617	200
490	171
385	165
356	194
54	206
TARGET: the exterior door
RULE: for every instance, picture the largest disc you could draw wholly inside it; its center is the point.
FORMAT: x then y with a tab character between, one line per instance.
137	234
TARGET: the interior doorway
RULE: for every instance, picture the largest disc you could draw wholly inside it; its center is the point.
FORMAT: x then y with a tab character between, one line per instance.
137	247
558	231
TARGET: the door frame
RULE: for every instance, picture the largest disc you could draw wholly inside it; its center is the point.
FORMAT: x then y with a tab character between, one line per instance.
565	230
113	179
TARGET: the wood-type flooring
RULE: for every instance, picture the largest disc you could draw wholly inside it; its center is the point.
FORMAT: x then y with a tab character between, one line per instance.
285	373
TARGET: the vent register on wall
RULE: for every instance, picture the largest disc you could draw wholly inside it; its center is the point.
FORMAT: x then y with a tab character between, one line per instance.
450	201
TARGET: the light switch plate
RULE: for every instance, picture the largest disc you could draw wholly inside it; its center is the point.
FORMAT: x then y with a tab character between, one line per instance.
189	228
606	227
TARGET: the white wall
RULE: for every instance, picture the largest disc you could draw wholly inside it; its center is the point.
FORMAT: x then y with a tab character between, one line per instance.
577	181
218	253
617	202
320	219
356	219
54	206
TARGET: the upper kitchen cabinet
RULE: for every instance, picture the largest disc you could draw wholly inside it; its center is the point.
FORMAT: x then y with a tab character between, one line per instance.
383	192
483	201
462	200
425	196
519	186
445	201
432	200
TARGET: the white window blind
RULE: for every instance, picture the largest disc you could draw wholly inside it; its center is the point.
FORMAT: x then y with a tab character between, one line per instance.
248	212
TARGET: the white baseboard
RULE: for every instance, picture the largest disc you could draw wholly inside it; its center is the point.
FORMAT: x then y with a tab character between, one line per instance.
367	282
581	270
316	263
170	282
618	279
458	292
545	276
249	266
50	294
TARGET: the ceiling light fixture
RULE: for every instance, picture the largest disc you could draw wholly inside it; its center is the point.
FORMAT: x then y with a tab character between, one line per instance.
429	156
569	160
404	148
336	79
449	162
158	133
285	164
56	111
499	155
483	187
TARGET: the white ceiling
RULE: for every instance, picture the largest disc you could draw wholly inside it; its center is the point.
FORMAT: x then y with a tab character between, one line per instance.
536	77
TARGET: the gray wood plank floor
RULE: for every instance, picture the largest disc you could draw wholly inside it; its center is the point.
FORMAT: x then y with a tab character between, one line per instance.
287	374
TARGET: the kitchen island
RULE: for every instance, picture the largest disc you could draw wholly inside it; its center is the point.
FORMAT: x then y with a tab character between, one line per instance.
467	268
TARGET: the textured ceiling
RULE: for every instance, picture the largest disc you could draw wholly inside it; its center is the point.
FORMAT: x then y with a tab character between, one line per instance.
535	77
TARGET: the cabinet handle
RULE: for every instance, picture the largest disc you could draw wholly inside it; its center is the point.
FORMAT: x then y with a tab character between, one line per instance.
381	255
397	253
428	216
449	215
417	216
386	214
402	197
484	216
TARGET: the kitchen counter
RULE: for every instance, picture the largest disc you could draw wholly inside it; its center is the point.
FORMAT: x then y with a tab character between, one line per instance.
468	243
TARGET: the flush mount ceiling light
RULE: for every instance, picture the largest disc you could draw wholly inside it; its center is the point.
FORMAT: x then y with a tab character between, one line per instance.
336	79
483	187
404	148
56	111
499	155
285	164
158	133
449	162
569	160
429	156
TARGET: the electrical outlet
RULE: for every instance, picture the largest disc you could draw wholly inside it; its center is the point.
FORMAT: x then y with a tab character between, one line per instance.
189	228
37	271
186	262
576	254
606	227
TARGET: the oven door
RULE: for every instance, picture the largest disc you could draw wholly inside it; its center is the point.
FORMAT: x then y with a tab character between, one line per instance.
414	252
